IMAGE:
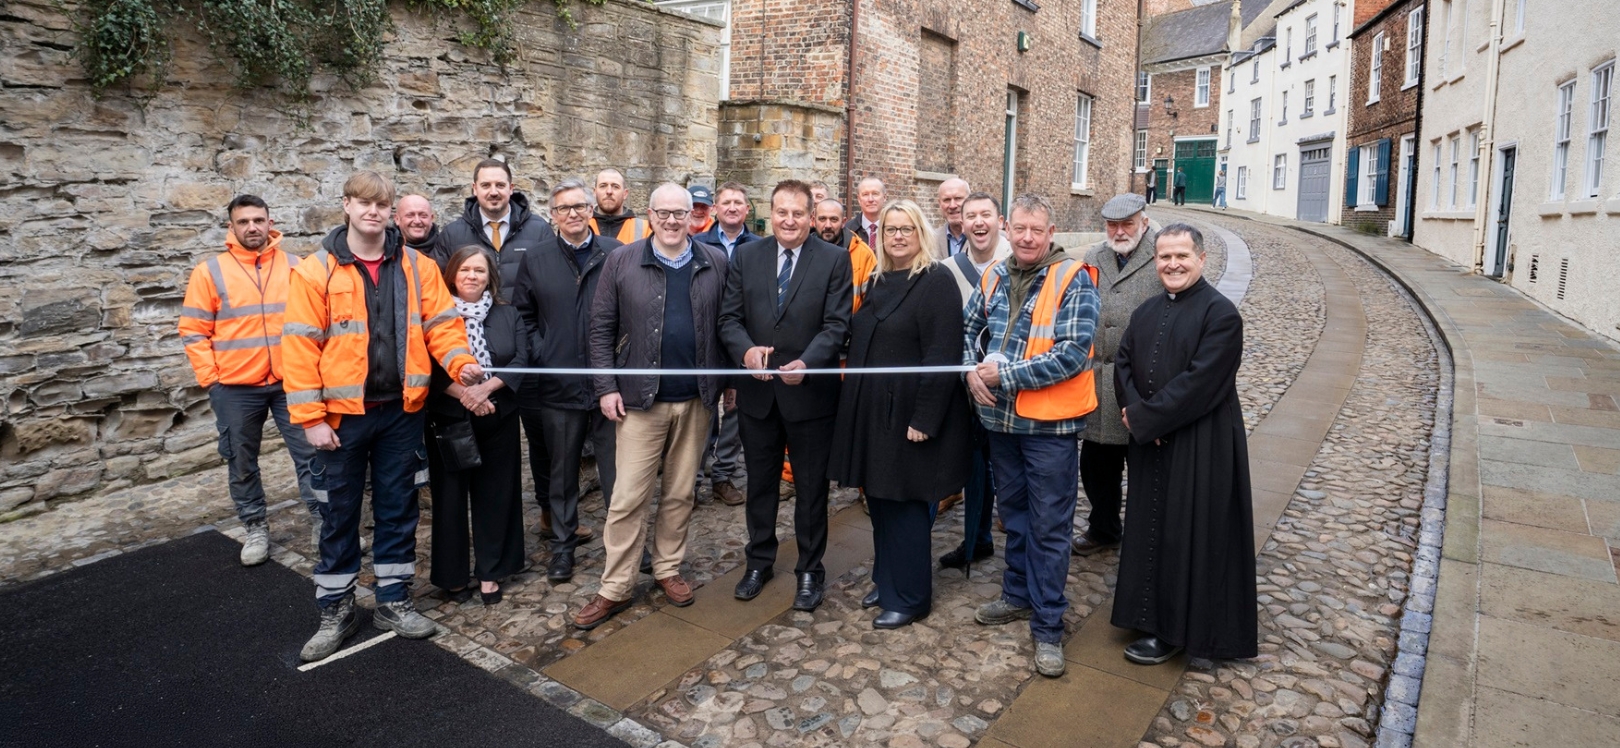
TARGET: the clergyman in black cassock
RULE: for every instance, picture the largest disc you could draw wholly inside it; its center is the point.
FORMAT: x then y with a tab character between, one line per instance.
1186	571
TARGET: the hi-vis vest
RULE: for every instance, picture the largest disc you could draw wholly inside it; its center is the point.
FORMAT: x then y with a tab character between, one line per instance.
230	322
629	231
1071	398
325	338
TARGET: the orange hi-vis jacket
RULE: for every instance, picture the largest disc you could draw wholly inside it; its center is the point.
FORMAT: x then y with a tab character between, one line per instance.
863	263
629	231
324	339
230	322
1070	398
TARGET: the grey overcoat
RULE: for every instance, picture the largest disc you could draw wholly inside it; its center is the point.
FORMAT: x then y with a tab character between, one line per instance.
1121	291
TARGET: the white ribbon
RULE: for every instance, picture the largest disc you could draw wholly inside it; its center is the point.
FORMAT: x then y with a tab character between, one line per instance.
735	372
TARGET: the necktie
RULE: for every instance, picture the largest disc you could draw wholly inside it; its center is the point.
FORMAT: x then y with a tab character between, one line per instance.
495	234
782	279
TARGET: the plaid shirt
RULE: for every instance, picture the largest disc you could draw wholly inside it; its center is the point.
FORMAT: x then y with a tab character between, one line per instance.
1073	328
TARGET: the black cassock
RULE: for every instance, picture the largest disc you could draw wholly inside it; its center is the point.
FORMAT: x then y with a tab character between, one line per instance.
1186	567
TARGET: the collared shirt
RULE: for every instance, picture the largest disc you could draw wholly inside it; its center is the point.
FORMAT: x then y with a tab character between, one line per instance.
679	260
582	251
505	220
781	257
1073	328
954	244
729	243
871	226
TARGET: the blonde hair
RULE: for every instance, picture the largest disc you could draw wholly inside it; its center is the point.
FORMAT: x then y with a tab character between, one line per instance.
369	185
924	237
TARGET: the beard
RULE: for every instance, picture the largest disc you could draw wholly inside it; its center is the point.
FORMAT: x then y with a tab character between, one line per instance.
1125	246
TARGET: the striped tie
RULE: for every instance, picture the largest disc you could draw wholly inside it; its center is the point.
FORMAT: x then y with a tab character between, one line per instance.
782	279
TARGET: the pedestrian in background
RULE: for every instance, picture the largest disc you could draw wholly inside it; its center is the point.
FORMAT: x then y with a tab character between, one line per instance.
479	420
904	438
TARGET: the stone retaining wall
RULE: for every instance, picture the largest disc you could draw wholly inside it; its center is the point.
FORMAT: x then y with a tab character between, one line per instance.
106	204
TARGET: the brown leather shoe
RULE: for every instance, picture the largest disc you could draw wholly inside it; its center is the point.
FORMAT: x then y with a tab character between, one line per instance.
582	532
677	590
948	502
1085	546
728	493
597	611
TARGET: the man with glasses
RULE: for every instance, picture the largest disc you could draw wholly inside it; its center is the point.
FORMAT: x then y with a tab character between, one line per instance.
555	285
787	307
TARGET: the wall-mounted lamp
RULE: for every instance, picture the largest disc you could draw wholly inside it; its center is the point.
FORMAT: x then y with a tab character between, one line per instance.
1169	103
1023	41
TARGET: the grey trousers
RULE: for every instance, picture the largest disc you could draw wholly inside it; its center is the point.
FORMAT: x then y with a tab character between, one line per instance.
557	441
239	414
725	446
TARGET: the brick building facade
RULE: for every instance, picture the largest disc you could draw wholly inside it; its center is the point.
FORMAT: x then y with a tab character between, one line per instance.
939	88
1178	95
1382	154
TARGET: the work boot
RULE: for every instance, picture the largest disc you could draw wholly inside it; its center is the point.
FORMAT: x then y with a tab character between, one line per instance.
338	622
256	547
728	494
401	617
1049	659
999	611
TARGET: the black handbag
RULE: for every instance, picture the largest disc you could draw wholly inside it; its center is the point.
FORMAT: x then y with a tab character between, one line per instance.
457	444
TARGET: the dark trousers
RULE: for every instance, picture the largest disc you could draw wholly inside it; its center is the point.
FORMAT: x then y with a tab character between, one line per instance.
387	443
1179	196
239	413
1036	484
494	495
903	571
724	447
556	446
979	488
763	441
1152	194
1102	466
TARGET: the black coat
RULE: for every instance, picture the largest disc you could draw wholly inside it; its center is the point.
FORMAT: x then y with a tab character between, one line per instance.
554	297
905	322
628	313
527	232
1186	566
508	346
812	327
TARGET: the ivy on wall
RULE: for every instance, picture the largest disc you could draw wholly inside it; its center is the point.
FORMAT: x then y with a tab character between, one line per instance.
272	43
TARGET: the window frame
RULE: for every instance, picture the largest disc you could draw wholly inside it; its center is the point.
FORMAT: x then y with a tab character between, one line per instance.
1563	130
1279	171
1454	172
1242	191
1439	153
1473	167
1256	111
1308	99
1144	87
1088	19
1375	70
1414	48
1288	48
1367	177
1139	159
1310	36
1082	142
1333	93
1284	108
1600	111
1518	16
1335	39
1231	119
1203	80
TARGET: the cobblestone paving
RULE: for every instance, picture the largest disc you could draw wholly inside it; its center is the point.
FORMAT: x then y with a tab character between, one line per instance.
1334	573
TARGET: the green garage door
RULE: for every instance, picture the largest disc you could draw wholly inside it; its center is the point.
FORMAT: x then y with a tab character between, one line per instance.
1196	158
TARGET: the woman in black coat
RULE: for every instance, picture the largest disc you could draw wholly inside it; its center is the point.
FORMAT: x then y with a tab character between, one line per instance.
494	489
904	438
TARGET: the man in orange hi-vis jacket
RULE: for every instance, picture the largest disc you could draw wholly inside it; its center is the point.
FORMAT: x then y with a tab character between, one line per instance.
367	317
231	327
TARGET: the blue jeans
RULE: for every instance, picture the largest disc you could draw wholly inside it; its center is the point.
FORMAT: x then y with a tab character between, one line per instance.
1220	197
1037	481
387	442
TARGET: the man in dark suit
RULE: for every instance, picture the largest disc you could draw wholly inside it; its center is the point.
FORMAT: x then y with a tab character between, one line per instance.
869	197
787	307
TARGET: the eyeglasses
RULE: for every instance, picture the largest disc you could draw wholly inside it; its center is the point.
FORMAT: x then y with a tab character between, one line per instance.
899	230
665	215
580	208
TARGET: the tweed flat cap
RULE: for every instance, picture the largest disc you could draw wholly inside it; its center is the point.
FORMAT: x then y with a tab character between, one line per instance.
1123	206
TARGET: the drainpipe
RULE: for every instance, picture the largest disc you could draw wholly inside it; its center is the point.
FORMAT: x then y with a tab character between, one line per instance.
849	102
1487	135
1417	132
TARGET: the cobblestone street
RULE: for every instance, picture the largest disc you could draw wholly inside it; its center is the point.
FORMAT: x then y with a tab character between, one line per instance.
1332	576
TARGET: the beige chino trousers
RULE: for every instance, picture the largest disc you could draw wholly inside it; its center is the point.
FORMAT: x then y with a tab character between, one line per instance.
671	434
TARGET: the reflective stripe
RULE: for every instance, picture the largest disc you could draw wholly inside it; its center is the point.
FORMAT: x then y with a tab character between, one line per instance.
320	495
440	318
394	571
195	313
421	477
346	327
303	331
189	339
250	310
346	392
219	283
1042	331
328	585
418	380
246	343
303	397
451	356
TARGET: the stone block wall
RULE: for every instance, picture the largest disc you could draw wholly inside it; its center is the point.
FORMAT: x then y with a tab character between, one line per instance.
108	203
764	142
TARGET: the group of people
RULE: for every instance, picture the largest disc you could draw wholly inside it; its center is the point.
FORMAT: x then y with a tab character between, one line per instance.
402	354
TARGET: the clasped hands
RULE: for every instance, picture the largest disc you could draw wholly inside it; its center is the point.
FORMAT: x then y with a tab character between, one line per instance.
475	397
982	381
757	358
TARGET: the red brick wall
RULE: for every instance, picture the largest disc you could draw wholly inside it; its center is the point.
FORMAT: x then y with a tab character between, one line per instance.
795	50
1189	121
1395	113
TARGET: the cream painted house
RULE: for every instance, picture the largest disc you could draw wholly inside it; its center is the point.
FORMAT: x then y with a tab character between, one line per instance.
1519	176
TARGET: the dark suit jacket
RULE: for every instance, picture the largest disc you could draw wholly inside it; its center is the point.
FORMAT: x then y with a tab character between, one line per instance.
813	326
857	225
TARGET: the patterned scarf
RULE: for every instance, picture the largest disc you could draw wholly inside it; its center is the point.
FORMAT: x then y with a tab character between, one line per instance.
474	313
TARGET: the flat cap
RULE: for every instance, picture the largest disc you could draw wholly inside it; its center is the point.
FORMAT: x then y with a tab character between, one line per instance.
701	195
1123	207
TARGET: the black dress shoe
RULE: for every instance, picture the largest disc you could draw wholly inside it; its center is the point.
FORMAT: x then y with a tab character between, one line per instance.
646	561
1150	650
753	582
561	568
458	596
871	599
810	593
893	619
957	559
1085	546
490	598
